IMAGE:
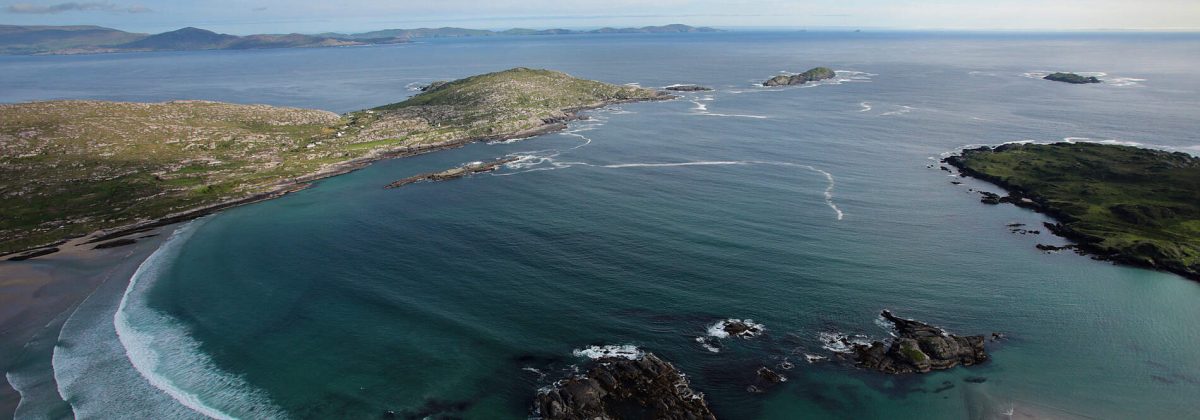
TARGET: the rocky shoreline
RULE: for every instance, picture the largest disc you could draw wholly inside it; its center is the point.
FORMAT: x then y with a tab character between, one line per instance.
459	172
1084	244
303	182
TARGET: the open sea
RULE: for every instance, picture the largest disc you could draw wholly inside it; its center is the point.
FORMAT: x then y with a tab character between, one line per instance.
807	209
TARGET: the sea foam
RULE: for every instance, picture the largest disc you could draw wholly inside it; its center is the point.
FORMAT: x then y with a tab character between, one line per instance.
167	357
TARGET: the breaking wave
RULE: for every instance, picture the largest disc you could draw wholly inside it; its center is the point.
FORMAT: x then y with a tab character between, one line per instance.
626	351
167	357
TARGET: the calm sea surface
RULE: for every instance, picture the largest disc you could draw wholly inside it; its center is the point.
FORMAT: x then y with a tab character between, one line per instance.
807	209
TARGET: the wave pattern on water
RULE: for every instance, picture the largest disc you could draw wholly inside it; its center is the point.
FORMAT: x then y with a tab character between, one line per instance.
170	359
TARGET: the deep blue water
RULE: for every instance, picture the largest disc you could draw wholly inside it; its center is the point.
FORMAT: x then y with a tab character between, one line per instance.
348	300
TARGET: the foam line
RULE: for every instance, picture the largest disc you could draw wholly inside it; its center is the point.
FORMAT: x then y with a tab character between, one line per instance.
161	344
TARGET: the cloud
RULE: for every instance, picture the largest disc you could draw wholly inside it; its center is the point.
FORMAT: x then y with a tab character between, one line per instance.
35	9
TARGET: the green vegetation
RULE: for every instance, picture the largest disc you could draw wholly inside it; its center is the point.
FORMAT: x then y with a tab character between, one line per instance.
73	167
1129	204
913	353
1071	78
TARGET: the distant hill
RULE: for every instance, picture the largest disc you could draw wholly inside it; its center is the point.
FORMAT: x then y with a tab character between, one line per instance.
200	39
182	39
449	32
95	39
36	39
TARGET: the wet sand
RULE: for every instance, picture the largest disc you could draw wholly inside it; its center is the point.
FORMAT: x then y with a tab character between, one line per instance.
36	291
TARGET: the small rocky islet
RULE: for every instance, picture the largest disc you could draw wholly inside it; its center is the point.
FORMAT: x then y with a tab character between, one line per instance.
643	387
919	348
688	88
812	75
1071	78
455	173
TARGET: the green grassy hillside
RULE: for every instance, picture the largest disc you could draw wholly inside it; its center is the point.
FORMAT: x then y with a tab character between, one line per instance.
73	167
1132	205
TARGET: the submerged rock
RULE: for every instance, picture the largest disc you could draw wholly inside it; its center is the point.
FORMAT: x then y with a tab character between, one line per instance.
919	348
646	387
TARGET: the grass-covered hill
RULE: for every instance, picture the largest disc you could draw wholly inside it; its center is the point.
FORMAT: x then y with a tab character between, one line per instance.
1128	204
510	103
73	167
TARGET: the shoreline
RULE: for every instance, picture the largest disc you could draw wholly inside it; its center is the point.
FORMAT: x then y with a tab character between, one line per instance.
76	268
291	185
1083	243
34	293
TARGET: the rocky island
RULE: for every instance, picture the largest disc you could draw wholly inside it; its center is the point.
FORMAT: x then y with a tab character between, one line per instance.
643	387
688	88
459	172
1071	78
919	348
812	75
1125	204
70	168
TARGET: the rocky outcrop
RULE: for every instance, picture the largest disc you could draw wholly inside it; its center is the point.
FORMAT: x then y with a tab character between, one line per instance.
646	387
455	173
740	328
1071	78
688	88
433	86
919	348
812	75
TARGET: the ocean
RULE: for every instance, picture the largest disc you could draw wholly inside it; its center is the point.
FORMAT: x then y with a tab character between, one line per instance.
807	209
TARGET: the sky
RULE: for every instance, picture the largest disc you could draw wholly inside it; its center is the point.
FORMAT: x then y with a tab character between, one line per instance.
283	16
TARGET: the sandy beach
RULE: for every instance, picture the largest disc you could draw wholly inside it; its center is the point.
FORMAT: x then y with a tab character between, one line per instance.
35	292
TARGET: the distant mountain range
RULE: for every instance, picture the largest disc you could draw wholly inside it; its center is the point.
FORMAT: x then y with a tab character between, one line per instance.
96	39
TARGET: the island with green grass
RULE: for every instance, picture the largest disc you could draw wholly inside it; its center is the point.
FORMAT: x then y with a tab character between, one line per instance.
1126	204
72	168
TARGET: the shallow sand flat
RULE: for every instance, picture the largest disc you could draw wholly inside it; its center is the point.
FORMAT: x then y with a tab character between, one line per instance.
34	292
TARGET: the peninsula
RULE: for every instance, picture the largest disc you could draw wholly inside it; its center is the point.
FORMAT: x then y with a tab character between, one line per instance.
70	168
1125	204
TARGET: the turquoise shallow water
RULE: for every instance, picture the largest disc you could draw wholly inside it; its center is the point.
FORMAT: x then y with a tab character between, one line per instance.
462	298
